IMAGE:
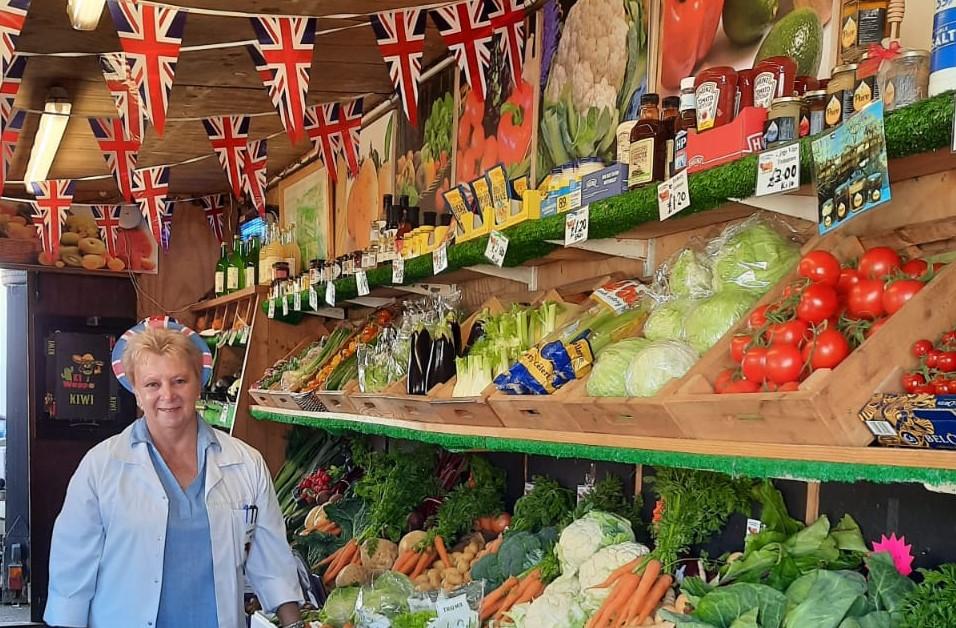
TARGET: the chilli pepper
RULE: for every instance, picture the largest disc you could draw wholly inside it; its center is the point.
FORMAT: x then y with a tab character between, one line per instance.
689	28
514	128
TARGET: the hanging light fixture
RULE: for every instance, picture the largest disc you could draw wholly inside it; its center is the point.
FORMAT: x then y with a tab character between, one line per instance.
53	123
84	14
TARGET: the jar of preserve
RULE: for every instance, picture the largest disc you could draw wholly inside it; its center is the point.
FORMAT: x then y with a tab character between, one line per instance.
783	122
866	89
905	79
773	78
840	94
716	91
280	271
804	84
745	90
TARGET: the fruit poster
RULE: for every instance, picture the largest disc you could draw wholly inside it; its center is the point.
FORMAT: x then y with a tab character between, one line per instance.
594	60
358	200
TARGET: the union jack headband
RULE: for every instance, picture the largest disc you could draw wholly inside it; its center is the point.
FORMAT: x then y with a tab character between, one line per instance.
164	322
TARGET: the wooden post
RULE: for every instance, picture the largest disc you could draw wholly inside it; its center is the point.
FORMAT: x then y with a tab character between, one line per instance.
813	503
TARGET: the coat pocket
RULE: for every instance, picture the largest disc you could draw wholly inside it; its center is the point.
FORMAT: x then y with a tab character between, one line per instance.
243	532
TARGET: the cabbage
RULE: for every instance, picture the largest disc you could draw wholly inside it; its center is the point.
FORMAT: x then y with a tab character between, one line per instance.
386	596
596	570
666	322
585	536
339	606
714	317
607	376
689	276
751	256
656	365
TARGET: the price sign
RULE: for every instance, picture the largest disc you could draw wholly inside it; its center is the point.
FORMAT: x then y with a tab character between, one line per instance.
244	335
272	309
755	526
313	298
778	170
673	195
297	301
440	259
361	283
576	226
528	487
398	270
583	490
497	248
285	306
453	612
330	293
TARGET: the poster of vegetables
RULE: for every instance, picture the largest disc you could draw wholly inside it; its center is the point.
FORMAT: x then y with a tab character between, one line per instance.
358	200
593	72
424	153
699	34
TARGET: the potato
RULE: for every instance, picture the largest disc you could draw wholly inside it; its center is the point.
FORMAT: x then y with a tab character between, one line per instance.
461	565
452	577
411	540
352	574
469	555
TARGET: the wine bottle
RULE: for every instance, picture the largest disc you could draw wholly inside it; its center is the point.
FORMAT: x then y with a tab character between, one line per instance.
221	266
235	273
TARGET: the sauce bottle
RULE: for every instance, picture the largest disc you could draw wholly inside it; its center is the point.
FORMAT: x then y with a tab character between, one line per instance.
648	144
684	123
668	117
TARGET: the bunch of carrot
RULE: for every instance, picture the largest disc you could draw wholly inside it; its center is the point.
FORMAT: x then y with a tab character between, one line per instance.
337	560
512	592
327	526
633	597
413	562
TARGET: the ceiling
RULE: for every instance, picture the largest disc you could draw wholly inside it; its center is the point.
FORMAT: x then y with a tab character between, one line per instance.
208	82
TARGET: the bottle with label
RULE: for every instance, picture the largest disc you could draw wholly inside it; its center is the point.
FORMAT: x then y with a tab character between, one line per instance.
252	261
686	120
668	117
221	266
648	144
716	92
235	272
270	253
943	60
290	250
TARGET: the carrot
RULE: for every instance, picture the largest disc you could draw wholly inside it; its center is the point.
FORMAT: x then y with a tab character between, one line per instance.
402	560
616	610
348	553
651	571
622	589
519	591
423	561
328	559
656	594
493	599
533	591
442	552
617	573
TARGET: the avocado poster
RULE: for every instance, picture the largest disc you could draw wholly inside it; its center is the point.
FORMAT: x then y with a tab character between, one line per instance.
81	387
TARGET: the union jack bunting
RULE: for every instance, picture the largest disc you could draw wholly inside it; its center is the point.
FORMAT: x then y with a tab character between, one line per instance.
254	174
12	15
150	35
150	187
321	126
284	56
167	220
401	40
213	205
119	151
466	29
11	120
12	77
228	135
348	123
107	219
122	86
53	199
8	144
507	21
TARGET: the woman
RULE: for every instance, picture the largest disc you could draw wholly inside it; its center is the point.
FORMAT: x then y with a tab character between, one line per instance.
163	523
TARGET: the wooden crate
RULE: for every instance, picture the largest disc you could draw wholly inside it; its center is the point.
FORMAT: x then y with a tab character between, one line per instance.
462	410
537	412
372	404
632	416
339	400
261	397
287	400
824	411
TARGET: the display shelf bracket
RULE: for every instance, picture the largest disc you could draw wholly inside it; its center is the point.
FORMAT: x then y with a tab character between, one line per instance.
337	313
426	289
373	302
793	205
616	247
527	275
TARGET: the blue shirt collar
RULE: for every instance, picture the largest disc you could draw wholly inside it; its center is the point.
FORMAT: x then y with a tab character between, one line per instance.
205	438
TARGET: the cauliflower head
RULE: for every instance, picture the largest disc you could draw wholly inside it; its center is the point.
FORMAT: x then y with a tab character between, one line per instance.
558	607
584	537
596	569
591	59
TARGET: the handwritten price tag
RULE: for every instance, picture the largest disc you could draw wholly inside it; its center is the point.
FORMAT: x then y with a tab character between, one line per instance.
330	294
361	283
576	226
313	298
398	270
673	195
778	170
497	248
272	309
440	259
285	306
454	612
297	301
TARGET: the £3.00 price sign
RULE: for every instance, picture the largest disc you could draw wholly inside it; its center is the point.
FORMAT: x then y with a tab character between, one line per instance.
398	270
576	226
778	170
497	248
673	195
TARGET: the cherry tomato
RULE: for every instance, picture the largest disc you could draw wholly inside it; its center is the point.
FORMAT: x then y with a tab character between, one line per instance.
788	387
915	268
865	299
828	349
912	380
925	389
795	332
818	302
754	363
724	378
875	327
933	357
921	347
879	262
848	278
742	386
783	363
758	318
820	267
938	266
899	292
946	361
941	386
949	338
739	344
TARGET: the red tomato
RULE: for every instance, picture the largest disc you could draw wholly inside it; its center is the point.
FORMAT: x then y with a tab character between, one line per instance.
788	387
921	347
915	268
946	361
739	344
742	386
911	381
849	277
933	357
899	292
818	302
820	267
758	318
940	386
724	378
925	389
783	363
865	299
938	266
828	349
949	338
753	364
879	262
795	332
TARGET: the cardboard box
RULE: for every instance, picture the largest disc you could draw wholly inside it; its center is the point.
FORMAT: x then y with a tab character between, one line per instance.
918	421
726	143
604	183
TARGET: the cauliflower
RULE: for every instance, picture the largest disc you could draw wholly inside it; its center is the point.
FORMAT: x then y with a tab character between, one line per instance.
558	607
596	569
585	536
592	55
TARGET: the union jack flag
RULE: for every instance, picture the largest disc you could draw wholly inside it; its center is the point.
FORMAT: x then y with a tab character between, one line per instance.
254	174
320	124
119	151
11	120
122	86
167	221
348	124
107	219
466	29
150	188
8	144
507	21
53	199
228	135
213	205
284	56
150	35
401	40
12	77
12	15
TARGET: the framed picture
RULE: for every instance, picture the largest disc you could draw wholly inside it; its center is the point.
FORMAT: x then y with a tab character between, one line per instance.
306	205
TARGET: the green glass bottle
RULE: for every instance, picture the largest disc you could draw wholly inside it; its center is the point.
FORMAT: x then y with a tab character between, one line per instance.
252	261
221	266
235	273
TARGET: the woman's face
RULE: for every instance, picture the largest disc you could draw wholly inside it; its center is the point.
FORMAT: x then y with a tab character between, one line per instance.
167	389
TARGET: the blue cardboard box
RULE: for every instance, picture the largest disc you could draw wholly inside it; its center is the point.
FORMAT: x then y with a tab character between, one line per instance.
919	421
604	183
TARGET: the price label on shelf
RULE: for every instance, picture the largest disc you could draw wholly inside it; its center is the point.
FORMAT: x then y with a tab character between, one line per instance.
297	301
576	226
330	293
313	298
497	248
454	612
272	309
361	283
528	487
398	270
673	195
440	259
285	306
778	170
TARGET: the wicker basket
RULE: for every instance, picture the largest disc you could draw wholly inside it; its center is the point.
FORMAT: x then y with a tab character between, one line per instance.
15	251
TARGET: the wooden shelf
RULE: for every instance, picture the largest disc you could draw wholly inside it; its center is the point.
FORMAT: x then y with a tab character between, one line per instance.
229	298
66	270
802	462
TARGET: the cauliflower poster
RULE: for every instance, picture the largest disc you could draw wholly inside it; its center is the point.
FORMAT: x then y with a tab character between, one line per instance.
593	72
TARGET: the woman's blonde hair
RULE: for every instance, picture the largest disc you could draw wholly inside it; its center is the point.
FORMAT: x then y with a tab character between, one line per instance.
159	341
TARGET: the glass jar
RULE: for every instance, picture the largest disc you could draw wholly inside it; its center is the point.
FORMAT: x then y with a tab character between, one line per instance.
280	271
804	84
866	89
904	80
716	91
840	94
773	78
816	105
783	122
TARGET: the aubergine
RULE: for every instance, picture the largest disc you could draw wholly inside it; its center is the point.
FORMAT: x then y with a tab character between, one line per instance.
416	374
443	354
477	331
421	353
456	337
